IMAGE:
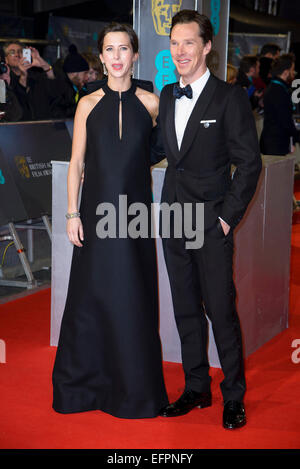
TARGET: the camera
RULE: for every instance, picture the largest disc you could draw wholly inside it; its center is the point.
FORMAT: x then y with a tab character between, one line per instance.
3	66
27	54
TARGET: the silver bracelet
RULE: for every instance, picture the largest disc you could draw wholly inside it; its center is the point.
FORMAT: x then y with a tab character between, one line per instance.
72	215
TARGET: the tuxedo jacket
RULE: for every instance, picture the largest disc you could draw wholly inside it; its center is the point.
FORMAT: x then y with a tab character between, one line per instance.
221	132
279	125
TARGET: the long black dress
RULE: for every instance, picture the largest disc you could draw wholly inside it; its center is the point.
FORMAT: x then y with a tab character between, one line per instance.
109	351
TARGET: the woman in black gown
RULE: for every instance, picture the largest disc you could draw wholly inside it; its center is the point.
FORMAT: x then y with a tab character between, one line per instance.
109	351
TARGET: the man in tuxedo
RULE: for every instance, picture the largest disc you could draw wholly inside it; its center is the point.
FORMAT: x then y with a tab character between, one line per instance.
207	126
279	134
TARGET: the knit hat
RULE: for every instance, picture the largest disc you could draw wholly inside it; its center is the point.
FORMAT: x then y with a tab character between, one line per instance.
74	62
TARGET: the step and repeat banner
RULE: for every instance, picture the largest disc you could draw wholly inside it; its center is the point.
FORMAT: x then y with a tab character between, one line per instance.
152	22
218	13
11	207
240	44
82	33
26	152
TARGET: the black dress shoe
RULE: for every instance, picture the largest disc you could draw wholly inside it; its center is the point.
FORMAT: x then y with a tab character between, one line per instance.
187	402
234	415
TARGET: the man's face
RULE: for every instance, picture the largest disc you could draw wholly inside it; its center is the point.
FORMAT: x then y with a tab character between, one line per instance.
76	78
80	79
13	55
255	70
292	74
188	51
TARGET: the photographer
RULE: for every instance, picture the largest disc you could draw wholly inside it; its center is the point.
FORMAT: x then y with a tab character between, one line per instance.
10	109
29	80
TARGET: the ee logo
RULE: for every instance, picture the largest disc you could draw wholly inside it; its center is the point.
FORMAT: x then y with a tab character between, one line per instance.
165	66
215	6
2	178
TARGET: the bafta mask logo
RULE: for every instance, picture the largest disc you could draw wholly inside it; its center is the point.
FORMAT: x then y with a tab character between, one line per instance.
22	166
65	29
162	13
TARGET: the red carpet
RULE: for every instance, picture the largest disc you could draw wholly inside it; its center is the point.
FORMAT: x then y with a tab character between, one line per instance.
28	421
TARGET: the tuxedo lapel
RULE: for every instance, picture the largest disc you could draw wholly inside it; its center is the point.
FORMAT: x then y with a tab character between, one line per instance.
196	115
170	127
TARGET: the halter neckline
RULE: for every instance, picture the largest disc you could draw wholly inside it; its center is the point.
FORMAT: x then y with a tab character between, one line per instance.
124	94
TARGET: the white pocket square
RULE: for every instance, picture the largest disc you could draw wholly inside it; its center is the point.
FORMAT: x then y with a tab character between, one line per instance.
207	123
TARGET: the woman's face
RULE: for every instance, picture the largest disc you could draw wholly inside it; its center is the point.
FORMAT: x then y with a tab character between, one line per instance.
92	75
117	54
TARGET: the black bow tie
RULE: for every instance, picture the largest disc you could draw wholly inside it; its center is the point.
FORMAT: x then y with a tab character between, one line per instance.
186	91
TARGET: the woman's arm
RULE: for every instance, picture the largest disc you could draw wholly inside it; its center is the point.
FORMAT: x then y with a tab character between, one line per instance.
151	103
76	165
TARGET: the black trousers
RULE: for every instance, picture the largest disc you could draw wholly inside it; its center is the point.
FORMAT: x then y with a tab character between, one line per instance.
201	282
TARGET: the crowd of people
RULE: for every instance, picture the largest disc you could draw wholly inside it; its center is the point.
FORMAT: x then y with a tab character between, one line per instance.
38	91
267	79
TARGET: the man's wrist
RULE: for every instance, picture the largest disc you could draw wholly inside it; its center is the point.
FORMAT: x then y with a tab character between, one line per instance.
48	68
23	79
23	73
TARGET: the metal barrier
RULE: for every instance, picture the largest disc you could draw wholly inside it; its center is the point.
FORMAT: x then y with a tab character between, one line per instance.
26	151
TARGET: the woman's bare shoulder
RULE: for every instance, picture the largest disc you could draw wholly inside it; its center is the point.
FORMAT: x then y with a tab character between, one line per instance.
148	96
87	102
150	101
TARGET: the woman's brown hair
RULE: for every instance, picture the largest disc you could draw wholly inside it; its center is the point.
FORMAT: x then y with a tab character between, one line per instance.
116	28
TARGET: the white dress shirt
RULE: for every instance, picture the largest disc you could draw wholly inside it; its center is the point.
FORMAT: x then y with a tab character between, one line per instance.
184	105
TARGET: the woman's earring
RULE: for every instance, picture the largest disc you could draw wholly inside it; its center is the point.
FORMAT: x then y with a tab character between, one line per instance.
104	68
